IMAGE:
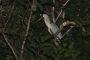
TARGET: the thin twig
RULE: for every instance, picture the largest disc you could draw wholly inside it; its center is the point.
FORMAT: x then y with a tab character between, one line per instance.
26	34
9	45
12	8
68	31
53	15
39	19
58	15
61	11
63	14
66	3
5	38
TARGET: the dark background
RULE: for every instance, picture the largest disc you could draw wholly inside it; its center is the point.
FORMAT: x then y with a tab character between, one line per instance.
39	44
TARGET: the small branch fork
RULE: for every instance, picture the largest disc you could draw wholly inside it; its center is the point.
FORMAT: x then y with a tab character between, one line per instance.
3	30
53	10
26	34
61	11
27	31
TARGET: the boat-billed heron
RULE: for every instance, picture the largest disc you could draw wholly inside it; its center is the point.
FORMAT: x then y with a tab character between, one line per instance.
53	29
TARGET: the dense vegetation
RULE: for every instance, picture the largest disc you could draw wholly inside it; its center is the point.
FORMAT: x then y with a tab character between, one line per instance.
20	22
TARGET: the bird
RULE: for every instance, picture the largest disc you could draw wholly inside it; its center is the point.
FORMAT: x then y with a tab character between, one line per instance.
53	29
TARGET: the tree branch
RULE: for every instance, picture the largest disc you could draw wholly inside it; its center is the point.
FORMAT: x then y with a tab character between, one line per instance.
26	34
53	10
9	16
61	11
5	38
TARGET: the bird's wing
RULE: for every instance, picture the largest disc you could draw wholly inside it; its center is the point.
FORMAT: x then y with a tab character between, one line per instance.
54	28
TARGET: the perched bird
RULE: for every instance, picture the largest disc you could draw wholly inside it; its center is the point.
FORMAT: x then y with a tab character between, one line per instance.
53	29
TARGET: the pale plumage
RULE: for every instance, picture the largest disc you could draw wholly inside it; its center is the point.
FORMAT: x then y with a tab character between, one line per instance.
52	27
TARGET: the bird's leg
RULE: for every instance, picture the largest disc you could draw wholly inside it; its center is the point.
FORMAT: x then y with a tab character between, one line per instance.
54	40
57	41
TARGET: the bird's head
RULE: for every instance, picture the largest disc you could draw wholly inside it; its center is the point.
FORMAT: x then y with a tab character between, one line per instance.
46	18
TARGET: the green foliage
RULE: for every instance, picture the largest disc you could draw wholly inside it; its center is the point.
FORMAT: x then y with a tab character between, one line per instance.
39	44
